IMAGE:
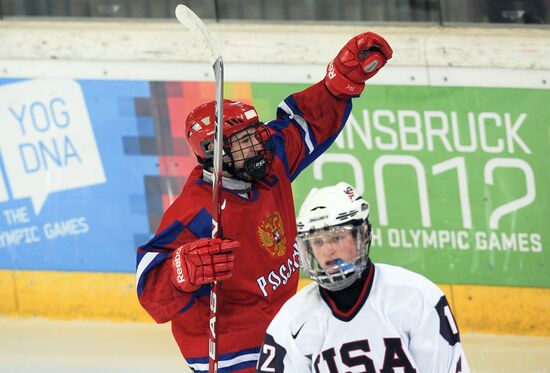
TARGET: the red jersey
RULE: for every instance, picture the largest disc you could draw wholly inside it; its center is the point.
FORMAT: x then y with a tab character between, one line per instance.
266	268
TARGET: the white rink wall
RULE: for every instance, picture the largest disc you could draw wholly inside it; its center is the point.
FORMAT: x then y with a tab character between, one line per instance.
157	50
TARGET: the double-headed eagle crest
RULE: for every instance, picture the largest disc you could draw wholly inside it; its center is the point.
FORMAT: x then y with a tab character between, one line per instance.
271	234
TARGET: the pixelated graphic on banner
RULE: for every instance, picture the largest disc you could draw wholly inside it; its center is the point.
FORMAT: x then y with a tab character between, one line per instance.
88	167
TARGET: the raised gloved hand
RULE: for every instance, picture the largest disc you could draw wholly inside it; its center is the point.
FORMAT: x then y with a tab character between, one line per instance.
356	62
202	261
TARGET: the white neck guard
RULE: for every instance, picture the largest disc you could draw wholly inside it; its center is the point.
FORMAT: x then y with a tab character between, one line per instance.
234	185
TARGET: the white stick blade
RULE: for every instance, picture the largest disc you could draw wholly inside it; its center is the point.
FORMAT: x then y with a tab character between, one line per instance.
197	27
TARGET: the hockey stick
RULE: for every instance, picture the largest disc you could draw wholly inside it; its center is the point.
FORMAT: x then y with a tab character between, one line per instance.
197	27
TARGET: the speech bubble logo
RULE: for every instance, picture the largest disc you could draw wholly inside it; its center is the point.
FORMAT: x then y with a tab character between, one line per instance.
3	189
46	139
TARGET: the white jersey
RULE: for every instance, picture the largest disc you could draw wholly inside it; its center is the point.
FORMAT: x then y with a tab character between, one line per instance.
400	323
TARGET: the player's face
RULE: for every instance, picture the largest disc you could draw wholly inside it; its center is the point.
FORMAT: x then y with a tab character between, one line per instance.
329	246
244	145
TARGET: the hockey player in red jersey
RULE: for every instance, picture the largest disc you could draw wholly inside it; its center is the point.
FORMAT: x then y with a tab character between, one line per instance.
257	260
357	316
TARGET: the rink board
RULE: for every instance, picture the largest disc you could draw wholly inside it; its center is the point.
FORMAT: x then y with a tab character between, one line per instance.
109	296
87	167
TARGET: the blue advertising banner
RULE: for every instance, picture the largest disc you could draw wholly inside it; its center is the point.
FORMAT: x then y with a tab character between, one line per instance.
72	195
88	167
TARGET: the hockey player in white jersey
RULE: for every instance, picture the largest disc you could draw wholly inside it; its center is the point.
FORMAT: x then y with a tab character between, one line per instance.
357	316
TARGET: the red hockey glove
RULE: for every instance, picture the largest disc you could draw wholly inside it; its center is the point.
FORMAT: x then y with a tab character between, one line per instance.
358	61
202	262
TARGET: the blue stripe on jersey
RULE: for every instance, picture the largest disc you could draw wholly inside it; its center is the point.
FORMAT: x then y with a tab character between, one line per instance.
308	137
162	239
253	194
156	245
321	148
201	225
161	257
236	367
226	357
139	256
201	292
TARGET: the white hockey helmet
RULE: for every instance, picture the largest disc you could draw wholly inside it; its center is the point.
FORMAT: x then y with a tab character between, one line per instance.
328	218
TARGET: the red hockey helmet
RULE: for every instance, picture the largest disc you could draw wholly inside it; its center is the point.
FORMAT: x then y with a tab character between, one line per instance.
248	149
199	126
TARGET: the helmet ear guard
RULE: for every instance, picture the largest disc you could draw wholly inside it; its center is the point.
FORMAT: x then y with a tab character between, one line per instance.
207	147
